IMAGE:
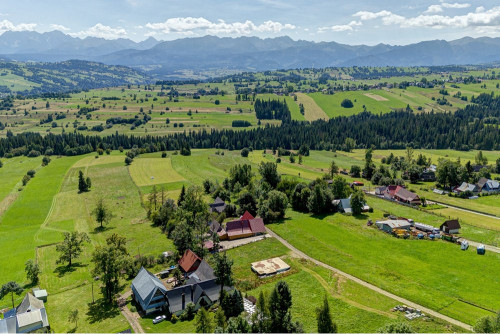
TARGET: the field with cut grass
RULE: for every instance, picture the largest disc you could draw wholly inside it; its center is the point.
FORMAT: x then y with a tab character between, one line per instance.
418	270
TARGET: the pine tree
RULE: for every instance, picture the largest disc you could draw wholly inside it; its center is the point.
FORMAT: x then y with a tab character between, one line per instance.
325	323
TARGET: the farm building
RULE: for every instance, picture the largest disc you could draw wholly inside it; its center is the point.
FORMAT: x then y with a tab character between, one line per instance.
218	205
450	226
148	291
426	228
390	225
270	267
406	196
247	216
237	229
466	187
189	262
29	316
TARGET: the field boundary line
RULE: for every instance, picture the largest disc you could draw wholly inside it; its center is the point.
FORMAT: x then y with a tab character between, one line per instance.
369	285
468	210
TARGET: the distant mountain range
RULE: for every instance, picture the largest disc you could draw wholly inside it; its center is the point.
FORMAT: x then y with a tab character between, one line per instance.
242	53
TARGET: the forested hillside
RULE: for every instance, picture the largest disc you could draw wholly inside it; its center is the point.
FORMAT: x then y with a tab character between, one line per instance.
475	127
38	78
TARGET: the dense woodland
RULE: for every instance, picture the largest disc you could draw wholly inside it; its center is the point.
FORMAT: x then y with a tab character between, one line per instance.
475	127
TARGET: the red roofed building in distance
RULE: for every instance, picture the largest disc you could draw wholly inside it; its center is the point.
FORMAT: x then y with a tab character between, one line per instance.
189	262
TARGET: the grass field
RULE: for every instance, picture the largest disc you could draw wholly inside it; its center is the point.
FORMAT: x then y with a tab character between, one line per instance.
312	111
421	271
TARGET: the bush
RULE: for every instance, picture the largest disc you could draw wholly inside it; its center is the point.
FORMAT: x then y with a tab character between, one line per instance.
133	309
33	154
245	152
278	161
174	319
346	103
163	154
31	173
241	124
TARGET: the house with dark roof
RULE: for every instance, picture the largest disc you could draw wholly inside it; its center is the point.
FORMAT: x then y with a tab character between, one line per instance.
189	262
489	186
406	196
218	205
201	294
29	316
148	291
450	226
203	273
428	175
215	227
244	228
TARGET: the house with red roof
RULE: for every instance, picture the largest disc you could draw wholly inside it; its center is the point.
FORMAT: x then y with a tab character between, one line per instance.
247	216
244	228
189	262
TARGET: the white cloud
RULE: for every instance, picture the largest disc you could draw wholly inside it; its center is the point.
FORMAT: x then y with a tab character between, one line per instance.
455	5
6	25
365	15
341	27
59	27
101	31
434	9
188	25
479	18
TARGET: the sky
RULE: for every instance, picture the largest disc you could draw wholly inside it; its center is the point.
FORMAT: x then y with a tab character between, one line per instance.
396	22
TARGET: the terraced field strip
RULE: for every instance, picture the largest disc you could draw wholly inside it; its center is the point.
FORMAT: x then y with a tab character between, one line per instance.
313	112
370	286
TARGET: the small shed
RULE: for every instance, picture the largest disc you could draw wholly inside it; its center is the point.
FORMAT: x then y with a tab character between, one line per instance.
40	294
450	226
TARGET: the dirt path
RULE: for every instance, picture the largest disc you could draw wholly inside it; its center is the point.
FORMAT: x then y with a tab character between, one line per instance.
131	317
312	111
371	286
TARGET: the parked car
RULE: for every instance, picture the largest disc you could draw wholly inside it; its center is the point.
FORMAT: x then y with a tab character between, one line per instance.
159	319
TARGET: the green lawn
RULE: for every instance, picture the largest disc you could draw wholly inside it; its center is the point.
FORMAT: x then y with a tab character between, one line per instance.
412	269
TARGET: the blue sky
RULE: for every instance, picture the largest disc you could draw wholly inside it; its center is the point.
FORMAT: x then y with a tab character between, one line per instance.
351	22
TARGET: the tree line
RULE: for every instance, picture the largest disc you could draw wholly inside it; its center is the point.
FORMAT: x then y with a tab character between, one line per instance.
463	130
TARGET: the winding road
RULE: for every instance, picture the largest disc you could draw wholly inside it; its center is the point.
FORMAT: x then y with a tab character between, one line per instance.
370	286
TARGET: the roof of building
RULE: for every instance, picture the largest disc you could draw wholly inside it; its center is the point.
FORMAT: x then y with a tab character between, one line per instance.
188	260
451	224
214	226
192	293
240	227
146	284
247	216
405	195
218	205
203	273
40	293
492	184
29	318
482	182
29	303
398	223
467	187
270	266
8	325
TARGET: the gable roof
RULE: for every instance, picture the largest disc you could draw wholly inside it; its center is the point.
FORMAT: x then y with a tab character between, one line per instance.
188	261
247	216
29	303
492	184
214	226
192	294
239	227
481	183
218	205
145	285
467	187
405	195
203	273
451	224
